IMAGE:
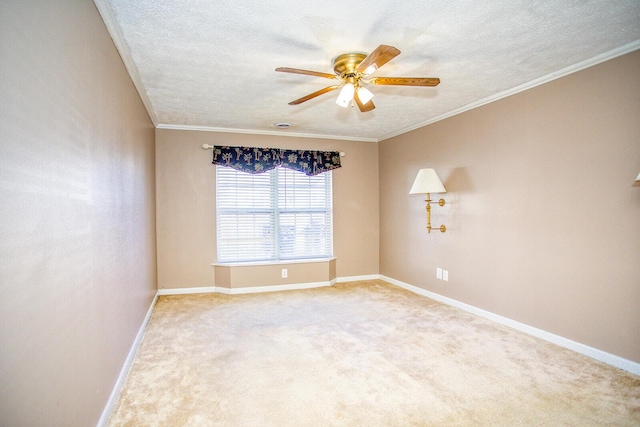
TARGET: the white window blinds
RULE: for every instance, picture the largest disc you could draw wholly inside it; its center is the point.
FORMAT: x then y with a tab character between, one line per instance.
275	216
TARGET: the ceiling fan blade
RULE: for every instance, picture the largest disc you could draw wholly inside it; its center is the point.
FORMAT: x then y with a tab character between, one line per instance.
307	72
314	94
405	81
379	57
363	107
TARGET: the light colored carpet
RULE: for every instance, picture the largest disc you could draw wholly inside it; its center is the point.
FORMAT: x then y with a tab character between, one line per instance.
358	354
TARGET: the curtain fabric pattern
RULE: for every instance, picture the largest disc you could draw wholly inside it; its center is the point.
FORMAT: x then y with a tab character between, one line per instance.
258	160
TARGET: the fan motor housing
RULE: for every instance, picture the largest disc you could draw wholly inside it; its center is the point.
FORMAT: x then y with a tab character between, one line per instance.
347	62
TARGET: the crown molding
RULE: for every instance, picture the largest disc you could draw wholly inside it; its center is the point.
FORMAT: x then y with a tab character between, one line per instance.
121	46
264	132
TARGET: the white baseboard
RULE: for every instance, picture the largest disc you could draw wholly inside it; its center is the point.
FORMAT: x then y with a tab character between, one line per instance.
186	291
594	353
247	290
357	278
258	289
117	388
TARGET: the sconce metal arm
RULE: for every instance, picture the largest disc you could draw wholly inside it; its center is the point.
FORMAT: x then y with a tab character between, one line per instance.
442	228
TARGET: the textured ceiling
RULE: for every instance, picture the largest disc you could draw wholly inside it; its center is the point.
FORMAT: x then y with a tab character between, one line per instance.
206	64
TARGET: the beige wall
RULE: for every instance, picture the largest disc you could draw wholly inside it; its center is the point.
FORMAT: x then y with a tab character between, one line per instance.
256	275
77	220
542	215
186	203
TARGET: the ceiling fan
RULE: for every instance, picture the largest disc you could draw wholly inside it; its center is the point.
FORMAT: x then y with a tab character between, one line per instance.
352	71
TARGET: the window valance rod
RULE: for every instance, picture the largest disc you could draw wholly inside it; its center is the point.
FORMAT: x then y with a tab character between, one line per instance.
210	147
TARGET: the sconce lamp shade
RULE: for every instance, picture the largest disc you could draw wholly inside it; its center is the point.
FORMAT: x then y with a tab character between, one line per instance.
427	181
638	178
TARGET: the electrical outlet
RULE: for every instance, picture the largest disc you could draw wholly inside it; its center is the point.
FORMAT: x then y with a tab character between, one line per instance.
439	273
285	273
445	275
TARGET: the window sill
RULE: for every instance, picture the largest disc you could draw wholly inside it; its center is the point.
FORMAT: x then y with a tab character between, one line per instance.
258	263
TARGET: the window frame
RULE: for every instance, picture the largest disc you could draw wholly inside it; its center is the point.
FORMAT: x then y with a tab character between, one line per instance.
279	207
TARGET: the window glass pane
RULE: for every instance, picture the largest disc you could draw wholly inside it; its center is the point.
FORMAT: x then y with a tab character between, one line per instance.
279	215
304	235
245	237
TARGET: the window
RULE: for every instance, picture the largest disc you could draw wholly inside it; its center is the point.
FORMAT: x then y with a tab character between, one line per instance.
275	216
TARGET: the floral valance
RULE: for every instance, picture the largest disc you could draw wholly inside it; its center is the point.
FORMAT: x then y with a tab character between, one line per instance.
258	160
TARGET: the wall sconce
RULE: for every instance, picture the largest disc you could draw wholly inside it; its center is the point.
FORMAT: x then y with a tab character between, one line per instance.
638	178
427	182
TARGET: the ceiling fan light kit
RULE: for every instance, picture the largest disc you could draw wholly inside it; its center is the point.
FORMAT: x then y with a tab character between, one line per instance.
364	94
346	95
351	69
